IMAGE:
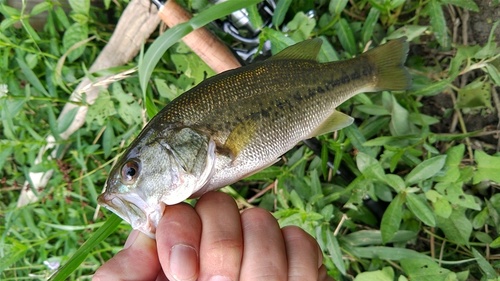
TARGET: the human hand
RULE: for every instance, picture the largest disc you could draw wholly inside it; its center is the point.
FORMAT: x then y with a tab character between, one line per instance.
214	240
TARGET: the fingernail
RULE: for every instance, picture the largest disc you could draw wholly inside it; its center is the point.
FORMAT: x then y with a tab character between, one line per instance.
183	262
219	278
131	239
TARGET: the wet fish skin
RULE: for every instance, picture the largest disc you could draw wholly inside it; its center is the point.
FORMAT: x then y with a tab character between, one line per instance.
241	121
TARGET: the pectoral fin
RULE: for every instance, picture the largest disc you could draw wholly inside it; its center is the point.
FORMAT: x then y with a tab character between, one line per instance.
334	122
240	137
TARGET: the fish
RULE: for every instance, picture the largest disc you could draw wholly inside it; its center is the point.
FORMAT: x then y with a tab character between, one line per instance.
241	121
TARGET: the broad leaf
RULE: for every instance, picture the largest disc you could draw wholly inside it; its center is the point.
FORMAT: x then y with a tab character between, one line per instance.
496	243
451	166
426	270
494	73
392	218
425	170
435	11
476	94
455	195
385	274
374	237
301	27
480	219
409	31
487	167
101	109
420	209
75	34
370	167
400	122
358	140
457	228
395	181
442	207
128	108
80	6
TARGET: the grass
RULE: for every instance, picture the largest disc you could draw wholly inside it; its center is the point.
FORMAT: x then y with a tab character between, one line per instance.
405	198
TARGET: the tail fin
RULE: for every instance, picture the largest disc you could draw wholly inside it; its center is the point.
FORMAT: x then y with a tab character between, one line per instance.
389	61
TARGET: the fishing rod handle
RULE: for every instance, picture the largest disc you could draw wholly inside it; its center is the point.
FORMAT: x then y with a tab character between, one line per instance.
205	44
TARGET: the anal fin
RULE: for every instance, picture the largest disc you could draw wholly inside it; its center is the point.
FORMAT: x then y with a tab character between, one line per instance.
334	122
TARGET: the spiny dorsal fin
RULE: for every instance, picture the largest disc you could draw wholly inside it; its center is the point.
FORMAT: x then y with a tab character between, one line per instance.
305	50
334	122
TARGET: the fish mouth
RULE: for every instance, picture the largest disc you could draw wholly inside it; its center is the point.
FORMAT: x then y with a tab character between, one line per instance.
133	209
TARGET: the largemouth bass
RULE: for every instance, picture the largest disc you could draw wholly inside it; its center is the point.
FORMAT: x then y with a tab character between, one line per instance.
241	121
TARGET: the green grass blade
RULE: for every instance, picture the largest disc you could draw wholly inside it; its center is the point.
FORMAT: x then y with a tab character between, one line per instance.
64	123
31	77
12	251
280	12
369	25
388	253
171	36
156	51
218	11
335	251
346	36
79	256
254	17
485	266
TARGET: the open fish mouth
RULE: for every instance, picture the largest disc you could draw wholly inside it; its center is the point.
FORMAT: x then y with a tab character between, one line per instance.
134	210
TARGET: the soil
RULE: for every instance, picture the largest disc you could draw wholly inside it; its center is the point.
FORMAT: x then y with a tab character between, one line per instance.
482	22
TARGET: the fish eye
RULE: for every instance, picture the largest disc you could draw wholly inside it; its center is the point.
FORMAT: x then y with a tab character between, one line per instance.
130	171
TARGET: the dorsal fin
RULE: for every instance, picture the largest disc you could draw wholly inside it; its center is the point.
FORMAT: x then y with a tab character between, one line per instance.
305	50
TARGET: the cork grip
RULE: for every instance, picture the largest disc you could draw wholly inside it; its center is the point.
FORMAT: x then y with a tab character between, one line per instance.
205	44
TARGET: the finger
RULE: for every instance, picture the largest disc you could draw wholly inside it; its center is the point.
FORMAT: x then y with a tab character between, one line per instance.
178	239
265	255
221	245
162	277
304	256
323	275
137	261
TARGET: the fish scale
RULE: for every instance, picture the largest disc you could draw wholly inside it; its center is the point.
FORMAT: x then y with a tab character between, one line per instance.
241	121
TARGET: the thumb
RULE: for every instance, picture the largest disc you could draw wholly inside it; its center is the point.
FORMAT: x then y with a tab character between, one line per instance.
137	261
